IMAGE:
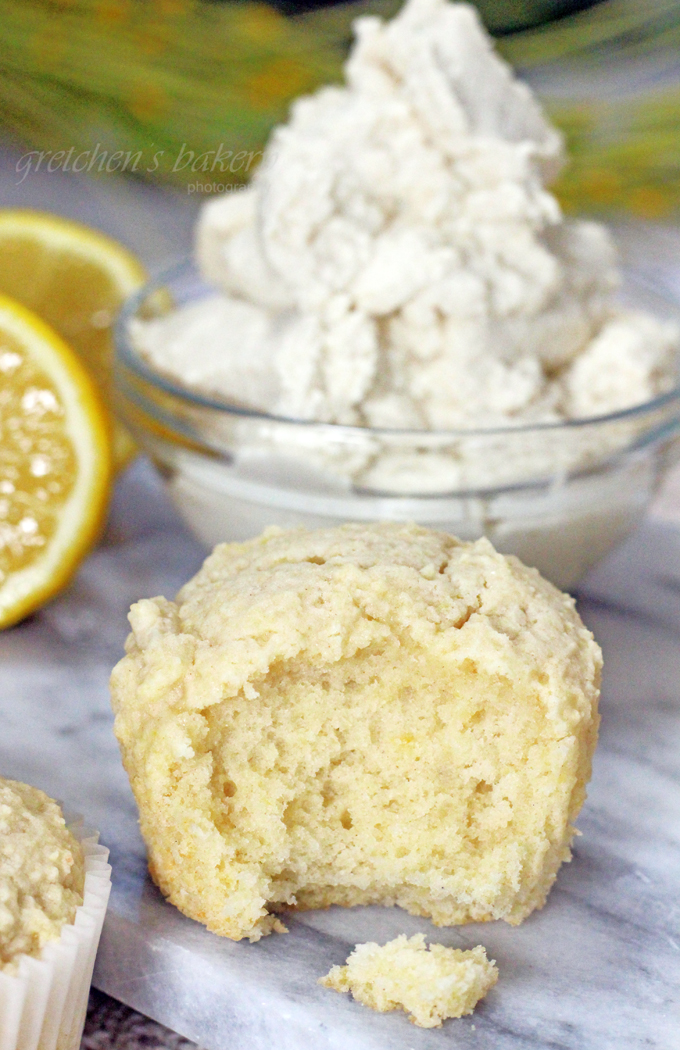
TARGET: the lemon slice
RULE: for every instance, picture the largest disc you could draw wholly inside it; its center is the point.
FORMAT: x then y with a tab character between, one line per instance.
75	279
55	462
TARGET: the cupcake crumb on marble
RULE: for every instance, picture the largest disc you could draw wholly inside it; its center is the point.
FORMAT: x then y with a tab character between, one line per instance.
430	983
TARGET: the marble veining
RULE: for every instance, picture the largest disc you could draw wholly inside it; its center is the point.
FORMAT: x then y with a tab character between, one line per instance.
597	969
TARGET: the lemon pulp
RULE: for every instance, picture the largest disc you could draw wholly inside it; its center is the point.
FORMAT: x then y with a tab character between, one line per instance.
37	459
55	462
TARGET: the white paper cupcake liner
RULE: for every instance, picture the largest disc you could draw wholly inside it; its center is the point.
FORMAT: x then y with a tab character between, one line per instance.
43	1005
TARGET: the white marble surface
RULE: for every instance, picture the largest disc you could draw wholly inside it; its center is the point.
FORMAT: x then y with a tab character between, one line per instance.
597	969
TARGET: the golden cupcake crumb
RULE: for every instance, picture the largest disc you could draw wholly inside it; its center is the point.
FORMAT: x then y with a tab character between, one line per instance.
430	984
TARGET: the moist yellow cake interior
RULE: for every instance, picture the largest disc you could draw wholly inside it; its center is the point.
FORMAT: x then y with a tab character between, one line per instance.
423	777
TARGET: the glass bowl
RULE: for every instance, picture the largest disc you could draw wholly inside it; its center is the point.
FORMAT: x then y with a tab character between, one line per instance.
559	496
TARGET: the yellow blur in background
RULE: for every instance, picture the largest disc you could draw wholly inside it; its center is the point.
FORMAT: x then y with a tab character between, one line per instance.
184	91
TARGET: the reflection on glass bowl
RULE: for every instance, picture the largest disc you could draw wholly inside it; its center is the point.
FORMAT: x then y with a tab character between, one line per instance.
559	496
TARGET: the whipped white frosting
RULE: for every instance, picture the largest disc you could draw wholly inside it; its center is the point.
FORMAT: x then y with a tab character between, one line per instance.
420	274
398	262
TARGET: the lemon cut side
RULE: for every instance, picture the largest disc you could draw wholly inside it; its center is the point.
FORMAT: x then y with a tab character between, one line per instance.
55	462
75	279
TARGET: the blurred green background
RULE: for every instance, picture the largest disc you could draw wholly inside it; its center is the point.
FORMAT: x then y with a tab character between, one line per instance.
186	91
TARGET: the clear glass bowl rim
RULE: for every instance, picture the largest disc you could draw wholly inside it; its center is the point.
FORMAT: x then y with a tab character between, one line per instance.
128	356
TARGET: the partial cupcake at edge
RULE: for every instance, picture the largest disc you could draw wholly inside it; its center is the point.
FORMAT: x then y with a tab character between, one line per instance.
54	888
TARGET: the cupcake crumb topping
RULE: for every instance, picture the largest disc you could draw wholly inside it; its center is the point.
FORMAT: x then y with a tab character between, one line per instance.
41	872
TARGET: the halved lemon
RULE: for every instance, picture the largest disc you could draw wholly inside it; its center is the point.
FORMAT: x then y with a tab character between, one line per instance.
75	279
55	462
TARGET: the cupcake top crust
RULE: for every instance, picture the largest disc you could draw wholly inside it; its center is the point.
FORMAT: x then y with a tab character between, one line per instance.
41	872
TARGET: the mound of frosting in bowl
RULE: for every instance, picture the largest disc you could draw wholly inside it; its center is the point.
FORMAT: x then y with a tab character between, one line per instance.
402	261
